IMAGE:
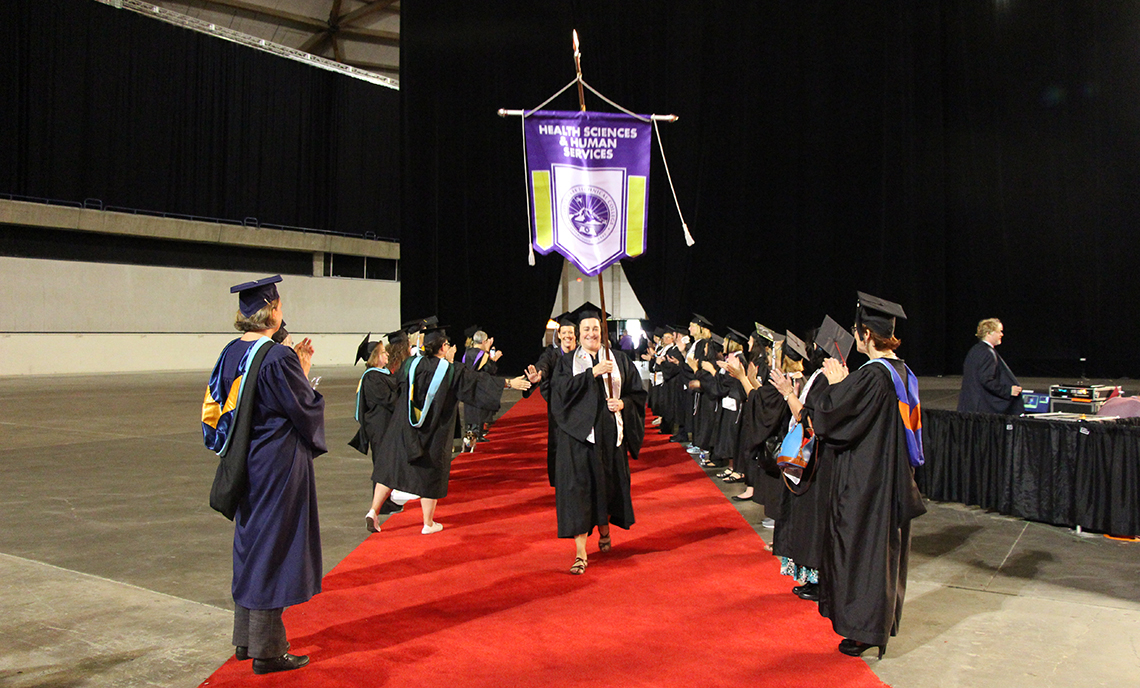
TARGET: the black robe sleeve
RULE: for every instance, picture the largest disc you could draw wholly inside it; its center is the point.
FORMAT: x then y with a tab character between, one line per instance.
634	397
477	388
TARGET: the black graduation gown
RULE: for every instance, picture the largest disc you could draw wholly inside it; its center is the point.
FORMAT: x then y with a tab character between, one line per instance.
378	392
727	439
765	415
807	514
418	460
986	383
873	499
671	390
592	478
545	365
277	534
659	399
473	415
705	408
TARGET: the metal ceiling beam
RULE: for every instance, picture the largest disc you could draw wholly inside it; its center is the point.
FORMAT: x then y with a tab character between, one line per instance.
371	35
365	11
372	66
307	22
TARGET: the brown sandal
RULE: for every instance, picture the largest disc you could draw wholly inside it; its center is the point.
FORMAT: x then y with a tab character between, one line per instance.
579	566
604	543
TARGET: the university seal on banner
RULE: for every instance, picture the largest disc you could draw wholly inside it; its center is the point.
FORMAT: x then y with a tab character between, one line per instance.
591	211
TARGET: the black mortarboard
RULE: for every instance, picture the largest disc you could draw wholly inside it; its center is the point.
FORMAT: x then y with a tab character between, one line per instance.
397	336
737	337
766	332
253	296
878	315
794	347
566	319
587	310
364	350
414	326
701	320
833	340
281	333
716	339
434	333
470	331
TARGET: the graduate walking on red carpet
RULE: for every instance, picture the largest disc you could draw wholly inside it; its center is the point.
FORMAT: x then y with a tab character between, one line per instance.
600	423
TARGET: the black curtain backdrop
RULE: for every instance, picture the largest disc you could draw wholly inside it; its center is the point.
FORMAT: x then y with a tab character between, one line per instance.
97	102
966	159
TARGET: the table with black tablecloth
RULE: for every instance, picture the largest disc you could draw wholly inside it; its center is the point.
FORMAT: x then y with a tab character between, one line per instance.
1067	473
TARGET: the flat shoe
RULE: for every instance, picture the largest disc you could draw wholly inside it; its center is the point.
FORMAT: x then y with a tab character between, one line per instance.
241	653
741	498
287	662
370	522
433	528
734	479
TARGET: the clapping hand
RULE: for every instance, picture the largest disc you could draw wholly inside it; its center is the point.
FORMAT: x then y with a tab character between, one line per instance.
305	352
708	367
496	354
733	366
781	382
834	371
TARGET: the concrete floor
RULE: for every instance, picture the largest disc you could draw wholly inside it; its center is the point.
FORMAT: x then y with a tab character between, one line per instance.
115	572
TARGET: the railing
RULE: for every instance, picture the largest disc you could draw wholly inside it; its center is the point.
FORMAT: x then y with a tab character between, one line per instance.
251	222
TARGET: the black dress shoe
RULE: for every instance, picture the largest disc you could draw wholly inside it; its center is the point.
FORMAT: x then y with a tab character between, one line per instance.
286	662
740	498
809	591
854	648
241	653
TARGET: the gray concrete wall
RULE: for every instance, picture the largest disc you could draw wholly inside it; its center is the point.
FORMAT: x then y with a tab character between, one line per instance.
74	317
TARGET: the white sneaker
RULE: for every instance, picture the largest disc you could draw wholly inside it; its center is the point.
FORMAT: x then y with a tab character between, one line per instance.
693	449
433	528
656	422
370	521
768	523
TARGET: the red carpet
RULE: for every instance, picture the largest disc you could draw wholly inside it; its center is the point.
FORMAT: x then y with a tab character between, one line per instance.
688	596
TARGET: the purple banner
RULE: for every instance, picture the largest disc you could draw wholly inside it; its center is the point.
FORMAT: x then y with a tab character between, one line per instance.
588	174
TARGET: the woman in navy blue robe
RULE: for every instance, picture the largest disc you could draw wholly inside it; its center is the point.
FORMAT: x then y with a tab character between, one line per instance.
277	538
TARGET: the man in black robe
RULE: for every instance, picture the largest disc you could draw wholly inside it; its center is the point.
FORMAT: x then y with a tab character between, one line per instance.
598	404
988	385
539	374
664	404
483	357
700	414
